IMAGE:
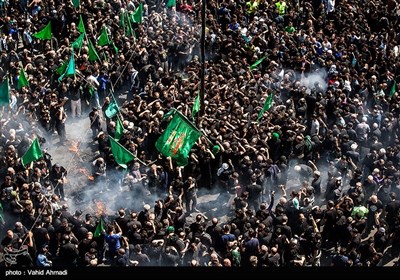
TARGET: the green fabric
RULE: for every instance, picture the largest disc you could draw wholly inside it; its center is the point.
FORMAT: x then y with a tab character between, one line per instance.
121	155
216	149
22	80
99	229
45	33
119	129
266	107
81	26
178	139
196	105
255	64
77	44
281	7
393	89
362	210
76	3
33	153
171	3
122	19
115	48
70	70
61	69
5	92
103	39
137	16
112	110
92	52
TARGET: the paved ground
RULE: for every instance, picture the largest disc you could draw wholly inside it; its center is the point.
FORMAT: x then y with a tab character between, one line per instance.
76	157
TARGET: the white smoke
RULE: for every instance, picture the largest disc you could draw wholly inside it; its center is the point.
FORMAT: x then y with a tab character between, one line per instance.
318	76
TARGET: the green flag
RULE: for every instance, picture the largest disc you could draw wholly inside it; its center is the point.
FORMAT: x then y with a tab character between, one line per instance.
103	39
129	29
393	89
22	80
255	64
81	26
119	129
92	52
122	19
77	44
112	110
137	16
91	90
5	92
76	3
70	70
99	229
115	48
178	138
121	155
45	33
61	69
33	153
266	107
171	3
196	105
2	221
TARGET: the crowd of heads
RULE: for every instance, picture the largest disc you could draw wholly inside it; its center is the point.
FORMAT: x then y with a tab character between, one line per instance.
328	145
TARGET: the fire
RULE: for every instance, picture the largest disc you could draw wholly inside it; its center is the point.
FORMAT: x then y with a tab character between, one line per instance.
74	146
85	172
100	208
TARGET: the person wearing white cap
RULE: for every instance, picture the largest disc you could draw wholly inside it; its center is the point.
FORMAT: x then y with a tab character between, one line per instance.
316	183
223	174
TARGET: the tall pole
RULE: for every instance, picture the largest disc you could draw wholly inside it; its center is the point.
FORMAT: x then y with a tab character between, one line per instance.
203	56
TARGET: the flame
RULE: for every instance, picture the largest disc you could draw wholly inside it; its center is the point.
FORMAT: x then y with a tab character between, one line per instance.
85	172
100	208
74	146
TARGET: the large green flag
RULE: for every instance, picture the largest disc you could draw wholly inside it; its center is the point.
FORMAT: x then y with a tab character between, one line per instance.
45	33
92	52
99	228
178	138
111	110
255	64
171	3
119	129
81	26
137	16
76	3
121	155
103	39
77	44
22	80
33	153
393	89
196	105
5	92
266	107
70	70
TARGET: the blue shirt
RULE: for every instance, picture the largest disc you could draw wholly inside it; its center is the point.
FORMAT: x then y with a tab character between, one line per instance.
42	261
113	241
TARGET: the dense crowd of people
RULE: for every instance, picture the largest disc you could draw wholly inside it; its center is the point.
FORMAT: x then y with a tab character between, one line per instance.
317	174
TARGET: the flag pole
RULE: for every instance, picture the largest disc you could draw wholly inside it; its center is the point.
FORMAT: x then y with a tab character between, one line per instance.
186	119
203	58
